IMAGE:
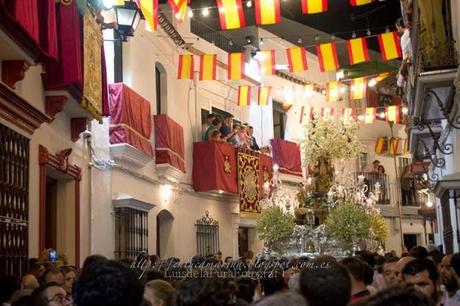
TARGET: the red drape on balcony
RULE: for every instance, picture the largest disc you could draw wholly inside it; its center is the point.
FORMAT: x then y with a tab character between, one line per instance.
169	142
130	119
48	32
26	14
265	171
68	71
287	155
214	167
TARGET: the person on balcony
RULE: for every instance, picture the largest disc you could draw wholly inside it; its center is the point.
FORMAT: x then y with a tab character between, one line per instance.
406	48
372	168
254	145
407	186
382	180
226	128
206	125
216	136
216	125
234	139
244	136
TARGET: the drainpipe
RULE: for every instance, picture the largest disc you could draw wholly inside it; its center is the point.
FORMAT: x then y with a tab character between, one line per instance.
197	108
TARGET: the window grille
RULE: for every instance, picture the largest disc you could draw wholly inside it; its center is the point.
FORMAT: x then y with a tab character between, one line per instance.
131	233
14	202
207	235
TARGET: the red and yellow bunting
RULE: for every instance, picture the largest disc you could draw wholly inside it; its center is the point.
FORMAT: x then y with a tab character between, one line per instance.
236	64
381	145
231	14
244	95
395	148
327	112
179	8
361	2
208	67
263	95
150	10
382	76
389	45
369	117
332	92
314	6
267	12
267	63
357	50
392	113
185	69
358	88
297	59
306	112
327	56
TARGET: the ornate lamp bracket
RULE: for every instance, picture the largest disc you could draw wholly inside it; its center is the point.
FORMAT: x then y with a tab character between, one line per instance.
444	148
438	162
455	123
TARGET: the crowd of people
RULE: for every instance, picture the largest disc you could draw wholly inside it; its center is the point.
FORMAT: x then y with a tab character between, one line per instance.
417	278
226	131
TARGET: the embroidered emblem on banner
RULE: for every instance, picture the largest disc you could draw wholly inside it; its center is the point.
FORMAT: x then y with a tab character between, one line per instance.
248	182
227	165
266	174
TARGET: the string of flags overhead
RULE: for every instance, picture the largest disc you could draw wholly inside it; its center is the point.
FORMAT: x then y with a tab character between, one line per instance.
392	146
296	57
231	14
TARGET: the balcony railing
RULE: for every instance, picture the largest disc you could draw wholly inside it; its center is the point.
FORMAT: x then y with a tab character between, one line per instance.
371	179
432	38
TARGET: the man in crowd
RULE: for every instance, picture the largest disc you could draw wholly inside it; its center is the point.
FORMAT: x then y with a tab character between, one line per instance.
356	269
450	294
206	125
55	295
390	271
455	269
226	129
423	275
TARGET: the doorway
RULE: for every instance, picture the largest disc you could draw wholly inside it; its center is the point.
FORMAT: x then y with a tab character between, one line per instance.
165	239
243	241
410	240
51	213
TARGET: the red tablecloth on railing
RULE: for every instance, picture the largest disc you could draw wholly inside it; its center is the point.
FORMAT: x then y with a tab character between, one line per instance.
169	142
214	167
286	155
265	171
130	119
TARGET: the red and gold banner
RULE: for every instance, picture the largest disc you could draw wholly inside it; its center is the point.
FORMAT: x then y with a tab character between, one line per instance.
208	66
297	59
248	181
244	95
231	14
358	88
236	64
361	2
381	145
150	10
267	12
314	6
395	148
357	50
369	117
267	63
185	68
332	91
389	45
263	95
327	56
392	113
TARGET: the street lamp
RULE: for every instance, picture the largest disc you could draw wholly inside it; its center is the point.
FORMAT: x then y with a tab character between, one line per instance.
128	17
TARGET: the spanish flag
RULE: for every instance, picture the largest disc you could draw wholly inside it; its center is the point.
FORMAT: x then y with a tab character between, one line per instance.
179	8
263	95
236	64
267	12
267	63
361	2
395	148
382	76
381	145
393	113
297	59
327	56
358	88
208	67
327	112
244	95
369	117
357	50
389	45
314	6
231	14
150	10
332	91
185	70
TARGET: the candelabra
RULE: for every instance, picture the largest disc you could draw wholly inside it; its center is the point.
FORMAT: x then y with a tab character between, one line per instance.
276	194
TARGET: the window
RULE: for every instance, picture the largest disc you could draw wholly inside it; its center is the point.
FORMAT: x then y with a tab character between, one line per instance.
362	161
207	235
279	120
14	202
160	88
403	162
131	232
204	115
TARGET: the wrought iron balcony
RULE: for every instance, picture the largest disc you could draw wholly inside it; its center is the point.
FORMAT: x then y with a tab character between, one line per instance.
371	179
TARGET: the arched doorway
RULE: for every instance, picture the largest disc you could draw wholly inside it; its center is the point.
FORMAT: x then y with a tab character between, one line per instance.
165	237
